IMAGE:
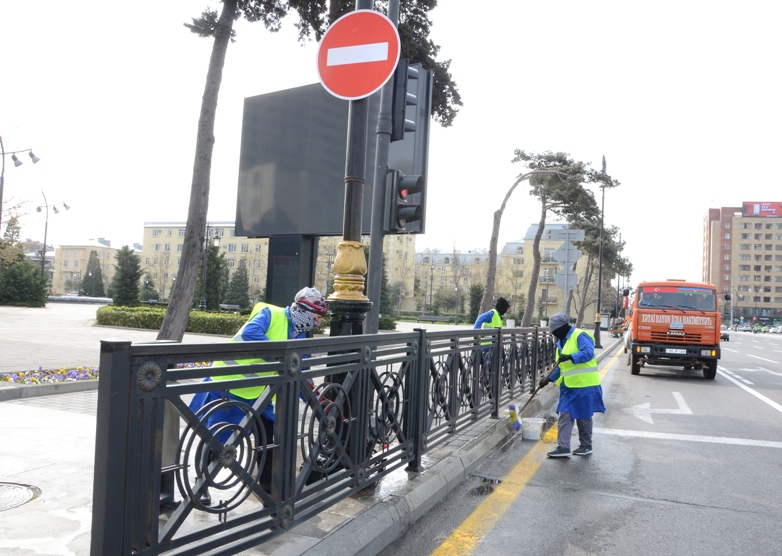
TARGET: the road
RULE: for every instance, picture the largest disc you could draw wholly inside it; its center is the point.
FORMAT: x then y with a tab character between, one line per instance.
682	465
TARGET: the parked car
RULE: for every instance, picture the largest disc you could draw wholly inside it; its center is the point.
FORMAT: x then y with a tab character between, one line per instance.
773	330
725	335
745	328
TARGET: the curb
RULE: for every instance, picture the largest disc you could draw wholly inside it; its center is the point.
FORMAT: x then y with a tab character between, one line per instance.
373	530
15	392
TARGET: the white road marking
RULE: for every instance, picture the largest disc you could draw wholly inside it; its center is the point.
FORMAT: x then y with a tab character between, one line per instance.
644	411
745	381
731	350
690	438
358	54
762	359
758	395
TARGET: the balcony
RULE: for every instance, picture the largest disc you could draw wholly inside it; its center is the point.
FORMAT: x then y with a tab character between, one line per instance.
548	260
547	301
546	279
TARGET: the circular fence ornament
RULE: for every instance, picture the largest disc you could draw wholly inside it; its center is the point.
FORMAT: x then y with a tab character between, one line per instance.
149	377
293	364
325	428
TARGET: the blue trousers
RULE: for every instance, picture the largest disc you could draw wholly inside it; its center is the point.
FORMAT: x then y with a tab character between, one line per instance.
565	429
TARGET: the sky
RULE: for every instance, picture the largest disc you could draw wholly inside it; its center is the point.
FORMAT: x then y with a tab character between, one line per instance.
684	100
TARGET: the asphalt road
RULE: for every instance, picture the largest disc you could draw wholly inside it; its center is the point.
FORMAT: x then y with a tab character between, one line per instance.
682	465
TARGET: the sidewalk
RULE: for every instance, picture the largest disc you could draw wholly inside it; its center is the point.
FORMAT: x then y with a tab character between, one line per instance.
46	461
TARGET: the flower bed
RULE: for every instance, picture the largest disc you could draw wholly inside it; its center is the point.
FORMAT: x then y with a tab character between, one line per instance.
47	376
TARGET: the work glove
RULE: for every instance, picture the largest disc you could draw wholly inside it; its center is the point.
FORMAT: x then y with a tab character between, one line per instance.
544	382
566	357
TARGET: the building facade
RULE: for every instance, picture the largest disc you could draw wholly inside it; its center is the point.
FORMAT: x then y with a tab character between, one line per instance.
742	256
70	264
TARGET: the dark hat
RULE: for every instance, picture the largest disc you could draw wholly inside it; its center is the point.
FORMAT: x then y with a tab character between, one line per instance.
558	320
502	305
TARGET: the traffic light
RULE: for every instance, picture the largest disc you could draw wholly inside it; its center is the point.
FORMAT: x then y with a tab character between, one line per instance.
401	99
401	209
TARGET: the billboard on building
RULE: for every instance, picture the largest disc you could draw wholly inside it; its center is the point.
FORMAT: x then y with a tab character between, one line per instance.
761	210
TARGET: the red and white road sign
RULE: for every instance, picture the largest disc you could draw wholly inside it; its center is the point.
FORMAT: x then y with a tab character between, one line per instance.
358	54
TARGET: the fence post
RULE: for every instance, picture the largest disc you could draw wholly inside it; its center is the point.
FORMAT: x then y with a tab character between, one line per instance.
535	362
496	377
418	399
109	500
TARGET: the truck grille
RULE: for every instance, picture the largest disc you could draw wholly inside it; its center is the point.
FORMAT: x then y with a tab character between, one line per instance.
685	339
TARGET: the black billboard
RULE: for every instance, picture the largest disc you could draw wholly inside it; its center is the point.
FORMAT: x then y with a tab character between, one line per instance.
292	161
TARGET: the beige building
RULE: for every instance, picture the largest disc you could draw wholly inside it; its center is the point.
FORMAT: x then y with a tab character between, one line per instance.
442	272
742	254
162	251
70	264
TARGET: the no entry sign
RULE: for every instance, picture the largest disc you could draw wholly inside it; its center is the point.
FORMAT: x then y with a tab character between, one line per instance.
358	54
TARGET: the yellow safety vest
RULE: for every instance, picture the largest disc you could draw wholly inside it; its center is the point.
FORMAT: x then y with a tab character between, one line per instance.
578	375
496	322
278	330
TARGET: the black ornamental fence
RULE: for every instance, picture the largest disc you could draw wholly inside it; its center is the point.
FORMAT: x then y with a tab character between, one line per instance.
347	411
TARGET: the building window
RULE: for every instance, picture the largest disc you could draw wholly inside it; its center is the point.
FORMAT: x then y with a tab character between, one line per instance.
154	261
75	264
743	288
727	225
256	279
75	252
758	236
744	267
745	257
65	264
155	233
426	260
178	260
179	248
744	246
726	267
154	275
769	247
726	277
232	233
726	257
231	263
245	247
157	247
758	226
169	232
165	261
726	246
743	278
756	278
743	226
757	247
256	264
257	247
769	226
232	248
745	236
181	232
167	247
778	300
727	236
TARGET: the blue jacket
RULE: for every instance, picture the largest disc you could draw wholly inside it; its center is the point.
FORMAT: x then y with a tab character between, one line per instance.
484	318
581	403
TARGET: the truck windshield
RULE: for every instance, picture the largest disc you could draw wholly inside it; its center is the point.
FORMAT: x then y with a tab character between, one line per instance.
677	297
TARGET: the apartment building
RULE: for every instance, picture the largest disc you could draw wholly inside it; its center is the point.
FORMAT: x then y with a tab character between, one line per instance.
162	252
70	264
437	271
742	255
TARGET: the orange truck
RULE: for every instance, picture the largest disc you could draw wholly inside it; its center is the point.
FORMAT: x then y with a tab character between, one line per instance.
674	323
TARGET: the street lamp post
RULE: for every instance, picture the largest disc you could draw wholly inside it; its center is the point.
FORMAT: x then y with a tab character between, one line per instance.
17	163
46	226
431	287
598	309
457	303
92	279
202	305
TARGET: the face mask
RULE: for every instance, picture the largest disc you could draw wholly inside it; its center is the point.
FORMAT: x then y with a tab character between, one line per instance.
561	332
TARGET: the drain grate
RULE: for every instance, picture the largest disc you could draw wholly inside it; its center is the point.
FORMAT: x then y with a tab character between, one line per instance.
13	495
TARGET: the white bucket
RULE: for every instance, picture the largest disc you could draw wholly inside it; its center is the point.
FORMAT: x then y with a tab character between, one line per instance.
532	428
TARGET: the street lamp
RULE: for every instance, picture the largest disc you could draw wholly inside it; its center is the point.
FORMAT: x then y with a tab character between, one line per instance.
598	310
457	303
17	163
92	279
47	206
431	287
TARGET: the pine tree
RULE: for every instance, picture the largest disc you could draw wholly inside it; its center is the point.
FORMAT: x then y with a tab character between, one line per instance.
149	290
93	283
476	295
125	286
21	282
239	287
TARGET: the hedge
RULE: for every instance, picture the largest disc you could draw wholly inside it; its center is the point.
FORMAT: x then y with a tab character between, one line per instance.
225	324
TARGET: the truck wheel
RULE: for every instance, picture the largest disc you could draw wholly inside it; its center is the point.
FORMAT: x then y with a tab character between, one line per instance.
635	368
710	370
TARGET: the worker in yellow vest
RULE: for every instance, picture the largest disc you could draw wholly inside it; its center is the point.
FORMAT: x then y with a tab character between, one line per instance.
493	318
266	323
580	393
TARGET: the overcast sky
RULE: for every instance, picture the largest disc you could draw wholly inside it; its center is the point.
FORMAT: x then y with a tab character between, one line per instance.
684	99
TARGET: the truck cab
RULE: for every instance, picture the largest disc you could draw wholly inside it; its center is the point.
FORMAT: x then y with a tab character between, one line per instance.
674	323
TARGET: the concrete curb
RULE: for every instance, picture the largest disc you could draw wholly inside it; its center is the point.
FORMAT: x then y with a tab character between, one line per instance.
373	530
12	391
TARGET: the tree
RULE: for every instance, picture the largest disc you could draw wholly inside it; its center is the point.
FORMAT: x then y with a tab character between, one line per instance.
386	305
21	282
314	17
476	294
125	286
562	193
149	290
93	284
239	287
216	269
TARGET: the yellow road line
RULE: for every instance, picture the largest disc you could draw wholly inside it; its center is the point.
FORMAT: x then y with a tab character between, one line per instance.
484	518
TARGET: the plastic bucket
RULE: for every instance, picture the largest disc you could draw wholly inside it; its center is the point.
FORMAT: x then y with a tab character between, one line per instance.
532	428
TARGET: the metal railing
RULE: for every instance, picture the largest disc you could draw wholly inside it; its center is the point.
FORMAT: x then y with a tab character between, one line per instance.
347	411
